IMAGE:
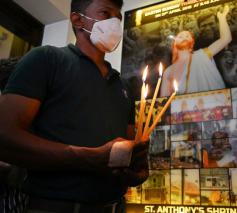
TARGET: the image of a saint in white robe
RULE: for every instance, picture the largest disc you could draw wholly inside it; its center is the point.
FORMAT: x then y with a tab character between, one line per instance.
196	71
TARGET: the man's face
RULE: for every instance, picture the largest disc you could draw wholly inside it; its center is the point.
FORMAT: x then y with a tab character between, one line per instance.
183	36
191	24
230	76
101	10
135	33
228	57
184	40
174	24
234	11
208	27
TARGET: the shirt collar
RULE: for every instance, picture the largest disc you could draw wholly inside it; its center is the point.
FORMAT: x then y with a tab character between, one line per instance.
112	73
76	50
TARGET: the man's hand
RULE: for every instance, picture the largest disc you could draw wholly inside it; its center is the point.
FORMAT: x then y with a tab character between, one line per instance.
137	172
224	13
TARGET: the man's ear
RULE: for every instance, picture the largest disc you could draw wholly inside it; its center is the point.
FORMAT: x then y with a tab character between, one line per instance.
76	20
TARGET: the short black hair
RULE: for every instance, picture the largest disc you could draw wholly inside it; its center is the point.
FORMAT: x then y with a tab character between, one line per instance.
81	5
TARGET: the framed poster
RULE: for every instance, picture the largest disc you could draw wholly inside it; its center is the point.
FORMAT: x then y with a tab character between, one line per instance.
193	149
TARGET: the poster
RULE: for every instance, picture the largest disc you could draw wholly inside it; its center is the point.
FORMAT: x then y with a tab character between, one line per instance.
193	149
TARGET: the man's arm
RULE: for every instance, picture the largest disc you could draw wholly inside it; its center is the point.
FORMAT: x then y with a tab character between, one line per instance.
225	33
18	146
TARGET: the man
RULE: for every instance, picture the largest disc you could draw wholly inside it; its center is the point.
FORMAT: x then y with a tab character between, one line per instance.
175	25
208	31
228	64
64	116
196	71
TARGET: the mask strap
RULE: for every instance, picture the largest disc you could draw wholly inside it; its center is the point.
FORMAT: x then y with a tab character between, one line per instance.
96	20
87	30
88	17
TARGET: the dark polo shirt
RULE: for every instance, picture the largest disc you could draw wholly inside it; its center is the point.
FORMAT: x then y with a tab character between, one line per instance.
78	107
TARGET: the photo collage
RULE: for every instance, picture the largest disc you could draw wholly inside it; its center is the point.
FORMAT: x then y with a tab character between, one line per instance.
193	159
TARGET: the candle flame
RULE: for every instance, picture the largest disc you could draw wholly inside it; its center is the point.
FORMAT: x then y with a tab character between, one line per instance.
145	72
161	69
175	86
146	91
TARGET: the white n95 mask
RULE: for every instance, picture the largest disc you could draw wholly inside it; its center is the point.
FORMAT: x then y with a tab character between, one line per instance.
106	34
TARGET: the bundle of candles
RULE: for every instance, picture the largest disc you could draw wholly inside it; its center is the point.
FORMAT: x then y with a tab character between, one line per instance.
143	132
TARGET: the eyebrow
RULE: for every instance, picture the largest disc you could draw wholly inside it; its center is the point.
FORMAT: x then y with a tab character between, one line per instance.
109	8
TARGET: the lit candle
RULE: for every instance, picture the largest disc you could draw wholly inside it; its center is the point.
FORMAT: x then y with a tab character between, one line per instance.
153	100
157	119
141	114
144	76
139	121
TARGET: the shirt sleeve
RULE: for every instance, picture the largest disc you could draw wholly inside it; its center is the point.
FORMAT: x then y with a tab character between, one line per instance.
30	77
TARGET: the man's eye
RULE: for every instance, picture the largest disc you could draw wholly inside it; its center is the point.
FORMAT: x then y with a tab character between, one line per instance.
105	14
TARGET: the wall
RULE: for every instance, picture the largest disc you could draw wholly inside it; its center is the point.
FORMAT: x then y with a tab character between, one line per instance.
46	11
56	34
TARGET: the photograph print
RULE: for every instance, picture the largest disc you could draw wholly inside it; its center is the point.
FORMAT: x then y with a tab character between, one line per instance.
191	187
219	152
158	106
186	131
215	187
186	154
219	129
159	148
156	189
204	106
